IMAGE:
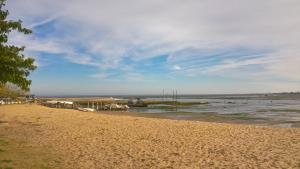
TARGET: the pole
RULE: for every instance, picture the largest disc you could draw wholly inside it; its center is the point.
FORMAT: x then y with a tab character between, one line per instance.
173	95
176	100
163	98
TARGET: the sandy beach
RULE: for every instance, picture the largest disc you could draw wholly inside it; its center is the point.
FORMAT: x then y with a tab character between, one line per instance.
61	138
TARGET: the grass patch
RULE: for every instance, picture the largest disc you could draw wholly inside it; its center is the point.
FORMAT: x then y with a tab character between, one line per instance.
3	142
18	154
162	107
240	116
5	161
174	103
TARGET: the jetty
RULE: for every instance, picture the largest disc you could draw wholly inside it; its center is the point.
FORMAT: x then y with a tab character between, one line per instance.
87	105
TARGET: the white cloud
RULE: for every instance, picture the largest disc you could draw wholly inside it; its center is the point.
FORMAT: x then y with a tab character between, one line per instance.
190	32
176	67
100	75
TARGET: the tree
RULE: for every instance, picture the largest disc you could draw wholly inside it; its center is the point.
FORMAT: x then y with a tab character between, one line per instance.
10	91
14	66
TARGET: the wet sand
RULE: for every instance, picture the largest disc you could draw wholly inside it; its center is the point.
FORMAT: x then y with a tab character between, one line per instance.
96	140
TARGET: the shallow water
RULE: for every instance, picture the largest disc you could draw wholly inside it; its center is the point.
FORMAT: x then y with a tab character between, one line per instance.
280	112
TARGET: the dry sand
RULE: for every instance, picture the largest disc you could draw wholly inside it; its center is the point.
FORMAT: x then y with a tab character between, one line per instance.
93	140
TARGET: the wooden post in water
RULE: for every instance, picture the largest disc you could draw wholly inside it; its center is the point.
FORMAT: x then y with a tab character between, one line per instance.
173	95
173	98
163	96
176	100
88	104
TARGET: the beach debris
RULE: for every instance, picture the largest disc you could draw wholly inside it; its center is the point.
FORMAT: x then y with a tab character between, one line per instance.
86	109
115	106
112	106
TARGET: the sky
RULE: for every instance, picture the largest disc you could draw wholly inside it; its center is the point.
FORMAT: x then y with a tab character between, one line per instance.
101	47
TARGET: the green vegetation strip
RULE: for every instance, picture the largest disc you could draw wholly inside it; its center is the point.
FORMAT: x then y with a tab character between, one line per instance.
279	110
175	103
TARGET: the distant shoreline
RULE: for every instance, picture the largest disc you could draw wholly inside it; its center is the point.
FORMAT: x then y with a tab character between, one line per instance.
274	96
158	95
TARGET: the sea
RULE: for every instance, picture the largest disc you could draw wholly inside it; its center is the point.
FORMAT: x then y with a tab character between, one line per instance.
275	109
281	109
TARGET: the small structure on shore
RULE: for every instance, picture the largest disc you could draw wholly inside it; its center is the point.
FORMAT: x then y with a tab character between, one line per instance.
136	102
30	98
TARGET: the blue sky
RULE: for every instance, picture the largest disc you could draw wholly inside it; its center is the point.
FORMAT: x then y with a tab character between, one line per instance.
141	47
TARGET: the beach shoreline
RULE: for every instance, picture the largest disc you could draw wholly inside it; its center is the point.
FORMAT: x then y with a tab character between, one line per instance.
104	140
237	109
205	117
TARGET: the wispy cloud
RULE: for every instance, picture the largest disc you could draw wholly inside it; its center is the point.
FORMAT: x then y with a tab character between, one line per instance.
43	22
230	39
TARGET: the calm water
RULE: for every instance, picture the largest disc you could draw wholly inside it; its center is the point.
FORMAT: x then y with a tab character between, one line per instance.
283	111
